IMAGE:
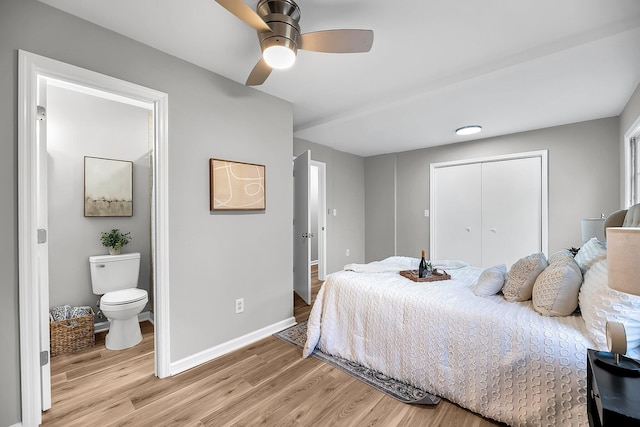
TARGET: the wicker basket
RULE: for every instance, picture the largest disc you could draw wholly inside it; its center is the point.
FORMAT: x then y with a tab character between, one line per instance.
69	335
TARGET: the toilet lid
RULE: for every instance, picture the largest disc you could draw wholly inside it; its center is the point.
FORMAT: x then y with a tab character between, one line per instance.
124	296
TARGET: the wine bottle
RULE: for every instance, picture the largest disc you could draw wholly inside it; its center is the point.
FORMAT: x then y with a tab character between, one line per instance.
422	268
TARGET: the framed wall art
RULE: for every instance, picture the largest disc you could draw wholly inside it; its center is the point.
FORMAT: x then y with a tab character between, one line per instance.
236	186
108	187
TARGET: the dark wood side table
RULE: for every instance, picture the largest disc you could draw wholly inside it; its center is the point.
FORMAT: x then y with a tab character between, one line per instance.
613	400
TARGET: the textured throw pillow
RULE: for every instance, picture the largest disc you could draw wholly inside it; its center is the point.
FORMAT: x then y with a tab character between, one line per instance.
599	304
555	292
521	277
561	256
490	281
592	252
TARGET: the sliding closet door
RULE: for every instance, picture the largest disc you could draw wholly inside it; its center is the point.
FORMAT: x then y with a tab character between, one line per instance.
457	231
511	210
489	211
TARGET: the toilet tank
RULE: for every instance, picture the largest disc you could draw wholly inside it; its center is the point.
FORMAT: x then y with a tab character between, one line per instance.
114	272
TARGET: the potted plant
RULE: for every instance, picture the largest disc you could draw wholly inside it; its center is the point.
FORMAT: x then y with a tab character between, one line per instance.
115	240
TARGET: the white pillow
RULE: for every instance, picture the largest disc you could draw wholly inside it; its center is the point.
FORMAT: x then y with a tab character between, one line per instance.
490	281
599	304
555	292
522	276
590	253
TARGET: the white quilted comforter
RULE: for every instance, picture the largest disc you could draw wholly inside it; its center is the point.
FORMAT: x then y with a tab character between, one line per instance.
500	359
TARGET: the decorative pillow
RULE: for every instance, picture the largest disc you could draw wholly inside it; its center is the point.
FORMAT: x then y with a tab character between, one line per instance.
555	292
561	256
599	304
592	252
522	276
490	281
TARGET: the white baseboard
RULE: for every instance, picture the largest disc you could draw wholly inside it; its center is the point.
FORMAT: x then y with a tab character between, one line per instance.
104	326
229	346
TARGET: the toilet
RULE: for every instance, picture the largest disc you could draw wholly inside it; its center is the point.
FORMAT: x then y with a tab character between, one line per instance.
115	277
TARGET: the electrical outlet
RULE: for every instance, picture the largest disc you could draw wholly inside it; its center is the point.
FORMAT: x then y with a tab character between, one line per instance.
348	252
239	305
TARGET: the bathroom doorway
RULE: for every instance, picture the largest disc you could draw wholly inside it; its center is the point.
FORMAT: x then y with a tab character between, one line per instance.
85	126
37	74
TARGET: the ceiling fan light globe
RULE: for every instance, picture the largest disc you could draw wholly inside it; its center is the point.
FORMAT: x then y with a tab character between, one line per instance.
279	57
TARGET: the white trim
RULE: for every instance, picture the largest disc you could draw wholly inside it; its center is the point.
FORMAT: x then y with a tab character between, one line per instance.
229	346
32	66
632	132
543	154
27	267
512	156
160	238
395	204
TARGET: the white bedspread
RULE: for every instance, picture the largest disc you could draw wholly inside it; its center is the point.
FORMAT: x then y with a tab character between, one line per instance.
500	359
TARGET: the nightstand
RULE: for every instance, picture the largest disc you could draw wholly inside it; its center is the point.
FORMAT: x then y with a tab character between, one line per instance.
612	400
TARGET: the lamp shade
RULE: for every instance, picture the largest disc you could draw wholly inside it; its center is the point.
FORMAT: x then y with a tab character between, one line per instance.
623	255
592	227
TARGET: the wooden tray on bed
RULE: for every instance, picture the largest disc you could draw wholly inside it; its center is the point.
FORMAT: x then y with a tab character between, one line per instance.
431	277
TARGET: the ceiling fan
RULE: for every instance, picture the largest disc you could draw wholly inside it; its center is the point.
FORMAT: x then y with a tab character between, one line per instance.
279	34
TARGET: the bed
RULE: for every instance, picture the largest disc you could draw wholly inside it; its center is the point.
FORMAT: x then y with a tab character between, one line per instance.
501	359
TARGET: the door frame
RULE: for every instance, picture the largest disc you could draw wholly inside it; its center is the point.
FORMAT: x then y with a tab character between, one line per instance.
543	154
31	68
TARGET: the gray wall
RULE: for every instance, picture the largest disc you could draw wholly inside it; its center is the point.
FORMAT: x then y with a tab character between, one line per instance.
209	116
380	206
345	193
583	181
81	125
631	112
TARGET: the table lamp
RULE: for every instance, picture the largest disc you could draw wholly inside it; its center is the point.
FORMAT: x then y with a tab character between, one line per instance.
623	255
593	227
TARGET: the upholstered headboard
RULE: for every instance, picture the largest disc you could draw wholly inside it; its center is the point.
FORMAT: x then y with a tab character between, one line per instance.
624	218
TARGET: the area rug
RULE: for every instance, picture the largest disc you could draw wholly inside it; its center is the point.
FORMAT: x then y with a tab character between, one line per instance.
406	393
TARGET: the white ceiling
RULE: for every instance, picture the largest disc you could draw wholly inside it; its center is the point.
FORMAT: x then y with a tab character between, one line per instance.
435	65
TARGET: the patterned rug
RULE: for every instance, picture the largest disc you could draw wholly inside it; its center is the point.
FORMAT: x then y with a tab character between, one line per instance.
297	336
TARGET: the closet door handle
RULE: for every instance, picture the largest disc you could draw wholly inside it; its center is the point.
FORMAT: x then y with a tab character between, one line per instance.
468	229
493	230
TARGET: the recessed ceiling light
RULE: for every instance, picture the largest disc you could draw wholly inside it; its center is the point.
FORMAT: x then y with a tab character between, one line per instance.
468	130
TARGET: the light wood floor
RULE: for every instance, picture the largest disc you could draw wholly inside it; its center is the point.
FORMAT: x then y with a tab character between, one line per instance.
267	383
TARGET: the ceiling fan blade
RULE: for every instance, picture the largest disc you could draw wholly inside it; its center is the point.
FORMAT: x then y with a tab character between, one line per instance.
337	41
259	74
245	14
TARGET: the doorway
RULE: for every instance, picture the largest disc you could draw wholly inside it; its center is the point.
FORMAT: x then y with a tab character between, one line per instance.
318	203
309	223
35	73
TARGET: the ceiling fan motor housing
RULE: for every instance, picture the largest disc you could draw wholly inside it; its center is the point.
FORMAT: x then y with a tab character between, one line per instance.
282	16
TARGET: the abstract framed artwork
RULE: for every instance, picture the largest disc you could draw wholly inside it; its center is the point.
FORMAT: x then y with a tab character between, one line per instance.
108	187
236	186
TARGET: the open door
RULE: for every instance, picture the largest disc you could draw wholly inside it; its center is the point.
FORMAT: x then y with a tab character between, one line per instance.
301	227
